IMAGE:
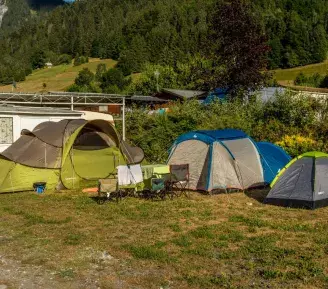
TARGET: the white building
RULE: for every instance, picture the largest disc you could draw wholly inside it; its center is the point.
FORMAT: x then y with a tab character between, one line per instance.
13	119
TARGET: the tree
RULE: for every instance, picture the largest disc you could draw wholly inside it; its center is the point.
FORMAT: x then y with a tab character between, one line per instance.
236	47
85	77
132	59
148	83
113	81
101	69
38	59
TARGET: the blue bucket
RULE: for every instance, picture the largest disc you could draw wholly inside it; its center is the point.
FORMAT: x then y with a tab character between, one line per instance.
39	187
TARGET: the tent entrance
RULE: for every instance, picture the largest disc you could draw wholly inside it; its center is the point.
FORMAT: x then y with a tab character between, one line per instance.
95	164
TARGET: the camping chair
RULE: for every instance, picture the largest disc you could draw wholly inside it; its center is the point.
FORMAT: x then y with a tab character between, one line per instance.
108	190
178	180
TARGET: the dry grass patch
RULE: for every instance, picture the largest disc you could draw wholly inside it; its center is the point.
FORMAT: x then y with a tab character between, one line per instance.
220	241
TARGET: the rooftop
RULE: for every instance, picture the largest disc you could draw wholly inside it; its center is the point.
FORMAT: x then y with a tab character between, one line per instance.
184	93
11	109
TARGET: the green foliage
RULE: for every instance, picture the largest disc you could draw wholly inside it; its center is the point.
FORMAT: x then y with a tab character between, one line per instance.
168	33
80	60
287	115
132	59
85	77
148	82
113	81
84	82
38	59
315	80
101	69
63	59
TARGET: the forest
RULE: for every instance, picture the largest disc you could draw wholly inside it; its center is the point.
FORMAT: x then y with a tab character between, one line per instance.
158	32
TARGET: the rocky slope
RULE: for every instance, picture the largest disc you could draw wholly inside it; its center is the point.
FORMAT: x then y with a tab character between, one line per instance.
3	9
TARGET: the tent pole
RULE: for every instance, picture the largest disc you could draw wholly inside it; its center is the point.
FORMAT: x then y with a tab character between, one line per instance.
123	119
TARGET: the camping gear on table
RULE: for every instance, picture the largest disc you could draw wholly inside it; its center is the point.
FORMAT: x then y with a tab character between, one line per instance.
147	180
67	154
302	183
226	159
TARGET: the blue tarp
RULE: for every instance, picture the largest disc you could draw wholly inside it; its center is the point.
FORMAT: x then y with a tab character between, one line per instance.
216	94
273	159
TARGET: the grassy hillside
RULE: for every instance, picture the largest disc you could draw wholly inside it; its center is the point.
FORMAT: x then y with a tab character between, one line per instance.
67	240
287	76
57	78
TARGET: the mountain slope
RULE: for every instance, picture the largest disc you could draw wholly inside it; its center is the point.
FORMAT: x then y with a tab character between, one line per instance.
159	31
3	9
14	13
57	78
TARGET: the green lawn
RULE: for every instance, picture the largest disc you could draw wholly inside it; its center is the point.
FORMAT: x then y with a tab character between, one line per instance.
221	241
287	76
57	78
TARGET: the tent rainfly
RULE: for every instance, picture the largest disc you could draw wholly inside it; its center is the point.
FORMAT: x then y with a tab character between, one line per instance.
67	154
229	158
302	183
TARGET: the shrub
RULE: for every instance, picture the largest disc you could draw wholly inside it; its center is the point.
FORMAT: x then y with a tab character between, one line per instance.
113	81
85	77
296	144
80	60
63	59
290	121
300	79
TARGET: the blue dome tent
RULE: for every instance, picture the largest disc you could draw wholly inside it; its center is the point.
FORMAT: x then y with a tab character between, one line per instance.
222	159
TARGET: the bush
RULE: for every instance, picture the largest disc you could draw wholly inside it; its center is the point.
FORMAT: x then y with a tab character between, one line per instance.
114	79
63	59
324	82
101	69
289	121
38	59
297	144
80	60
300	79
85	77
315	80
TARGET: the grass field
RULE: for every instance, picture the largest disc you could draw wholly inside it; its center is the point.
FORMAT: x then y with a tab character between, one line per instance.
67	240
287	76
57	78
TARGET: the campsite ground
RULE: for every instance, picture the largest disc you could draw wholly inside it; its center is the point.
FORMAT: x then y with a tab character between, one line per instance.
67	240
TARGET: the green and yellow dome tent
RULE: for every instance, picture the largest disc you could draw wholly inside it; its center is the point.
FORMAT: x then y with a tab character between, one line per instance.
68	154
302	183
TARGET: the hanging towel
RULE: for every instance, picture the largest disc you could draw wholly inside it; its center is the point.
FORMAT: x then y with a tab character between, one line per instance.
128	175
124	175
136	174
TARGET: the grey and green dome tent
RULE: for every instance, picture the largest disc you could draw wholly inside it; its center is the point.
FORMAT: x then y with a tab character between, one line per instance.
302	183
68	154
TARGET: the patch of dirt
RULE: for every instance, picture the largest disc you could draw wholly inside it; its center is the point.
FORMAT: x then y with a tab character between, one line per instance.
15	274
